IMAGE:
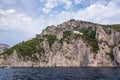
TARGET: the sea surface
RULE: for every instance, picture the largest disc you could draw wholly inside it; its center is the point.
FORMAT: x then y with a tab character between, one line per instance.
60	73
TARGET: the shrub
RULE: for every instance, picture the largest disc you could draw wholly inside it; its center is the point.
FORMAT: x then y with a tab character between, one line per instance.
66	34
114	26
51	39
111	55
26	48
89	37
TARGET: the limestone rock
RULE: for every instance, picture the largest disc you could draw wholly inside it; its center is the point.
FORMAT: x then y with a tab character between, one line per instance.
69	50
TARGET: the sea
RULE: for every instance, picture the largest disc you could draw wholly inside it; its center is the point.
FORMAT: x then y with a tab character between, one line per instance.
60	73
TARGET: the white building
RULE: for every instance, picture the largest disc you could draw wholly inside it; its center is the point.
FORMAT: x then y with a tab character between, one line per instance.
77	32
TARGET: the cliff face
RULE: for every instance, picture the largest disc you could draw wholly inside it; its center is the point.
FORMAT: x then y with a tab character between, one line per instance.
3	47
73	43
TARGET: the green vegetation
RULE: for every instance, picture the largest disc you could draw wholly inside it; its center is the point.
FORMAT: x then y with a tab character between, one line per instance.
114	26
112	46
9	51
111	52
27	48
111	55
119	48
68	57
51	39
30	47
102	41
66	34
89	37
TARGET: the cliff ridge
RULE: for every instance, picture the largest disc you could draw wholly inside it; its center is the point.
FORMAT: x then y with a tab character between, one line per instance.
71	44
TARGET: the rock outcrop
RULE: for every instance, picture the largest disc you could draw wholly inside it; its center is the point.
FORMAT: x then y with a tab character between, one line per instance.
59	46
3	47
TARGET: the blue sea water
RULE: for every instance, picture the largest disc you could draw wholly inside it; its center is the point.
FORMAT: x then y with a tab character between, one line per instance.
60	73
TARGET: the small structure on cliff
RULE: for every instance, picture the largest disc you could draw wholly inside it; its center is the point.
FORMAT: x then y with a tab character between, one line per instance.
77	32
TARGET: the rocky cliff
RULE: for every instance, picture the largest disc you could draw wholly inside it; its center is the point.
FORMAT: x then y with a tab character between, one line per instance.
70	44
3	47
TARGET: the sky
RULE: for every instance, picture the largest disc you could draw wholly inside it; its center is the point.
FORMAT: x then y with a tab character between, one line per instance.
21	20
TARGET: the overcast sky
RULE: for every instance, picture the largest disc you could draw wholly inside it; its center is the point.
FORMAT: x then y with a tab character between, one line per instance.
23	19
